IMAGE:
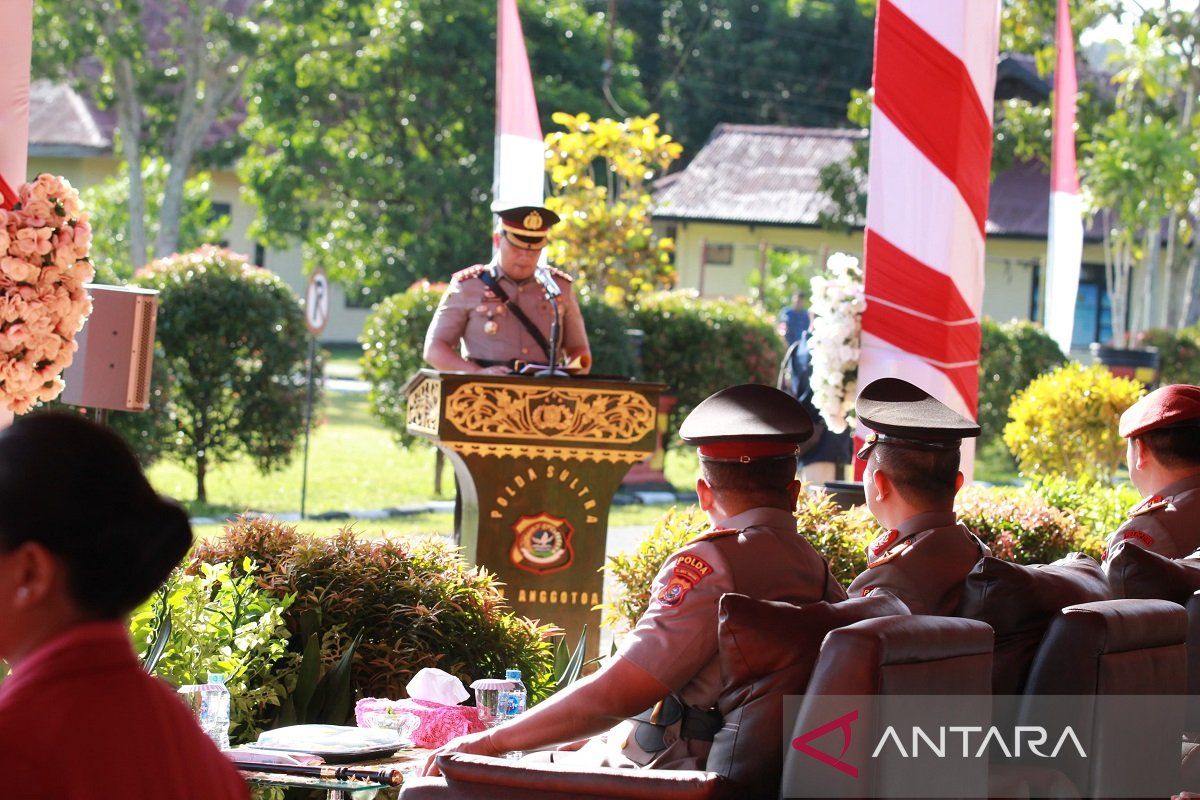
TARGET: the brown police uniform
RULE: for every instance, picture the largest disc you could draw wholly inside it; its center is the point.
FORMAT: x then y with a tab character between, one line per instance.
924	563
757	553
489	332
1167	523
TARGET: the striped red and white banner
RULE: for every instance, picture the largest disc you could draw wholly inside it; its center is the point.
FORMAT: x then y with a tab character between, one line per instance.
519	177
931	149
14	90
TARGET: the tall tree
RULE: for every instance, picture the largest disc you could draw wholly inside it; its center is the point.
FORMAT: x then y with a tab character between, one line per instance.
372	125
777	62
171	70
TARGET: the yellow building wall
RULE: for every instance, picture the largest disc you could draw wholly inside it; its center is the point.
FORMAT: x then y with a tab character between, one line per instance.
1008	268
345	322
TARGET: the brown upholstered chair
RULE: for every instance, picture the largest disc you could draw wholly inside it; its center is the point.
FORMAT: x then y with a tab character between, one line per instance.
916	655
1020	601
1112	647
482	778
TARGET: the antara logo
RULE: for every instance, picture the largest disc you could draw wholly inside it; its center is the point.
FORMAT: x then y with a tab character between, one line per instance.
842	723
1031	736
975	741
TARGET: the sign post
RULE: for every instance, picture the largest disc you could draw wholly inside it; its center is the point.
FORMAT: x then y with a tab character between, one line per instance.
316	314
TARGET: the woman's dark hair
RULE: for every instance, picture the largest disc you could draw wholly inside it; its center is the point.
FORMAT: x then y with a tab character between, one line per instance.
76	489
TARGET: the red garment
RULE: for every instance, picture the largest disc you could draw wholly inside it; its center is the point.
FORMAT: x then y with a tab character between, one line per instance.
80	720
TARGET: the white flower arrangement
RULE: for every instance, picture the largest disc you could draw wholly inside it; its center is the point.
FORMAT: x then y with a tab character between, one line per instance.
838	302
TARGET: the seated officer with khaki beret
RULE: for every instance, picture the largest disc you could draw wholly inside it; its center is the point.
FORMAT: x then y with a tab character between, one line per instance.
747	437
910	480
498	313
1163	453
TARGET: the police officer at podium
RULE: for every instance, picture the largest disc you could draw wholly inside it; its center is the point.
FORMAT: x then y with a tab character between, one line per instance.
496	315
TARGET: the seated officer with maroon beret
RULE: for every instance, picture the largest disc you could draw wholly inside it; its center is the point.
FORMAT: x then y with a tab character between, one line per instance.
498	312
1163	453
747	437
910	480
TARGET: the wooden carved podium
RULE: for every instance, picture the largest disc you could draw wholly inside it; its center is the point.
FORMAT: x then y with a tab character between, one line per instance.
538	461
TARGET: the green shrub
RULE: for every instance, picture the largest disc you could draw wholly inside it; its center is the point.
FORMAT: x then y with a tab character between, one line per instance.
1065	422
842	537
697	346
1011	355
393	342
1098	509
612	351
634	571
1178	353
235	350
221	622
1018	525
417	604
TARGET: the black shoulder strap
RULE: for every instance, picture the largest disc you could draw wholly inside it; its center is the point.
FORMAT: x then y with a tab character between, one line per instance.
489	280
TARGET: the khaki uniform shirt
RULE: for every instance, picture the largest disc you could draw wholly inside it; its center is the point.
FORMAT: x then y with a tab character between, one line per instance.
1167	523
924	563
756	553
472	314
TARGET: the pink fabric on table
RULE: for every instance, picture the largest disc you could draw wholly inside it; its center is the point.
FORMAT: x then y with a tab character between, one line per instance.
439	723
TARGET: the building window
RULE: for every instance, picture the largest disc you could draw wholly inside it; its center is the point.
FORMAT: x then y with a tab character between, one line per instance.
718	254
359	298
1093	312
260	255
216	212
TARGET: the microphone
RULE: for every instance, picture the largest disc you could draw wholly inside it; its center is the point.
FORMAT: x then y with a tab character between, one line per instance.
547	282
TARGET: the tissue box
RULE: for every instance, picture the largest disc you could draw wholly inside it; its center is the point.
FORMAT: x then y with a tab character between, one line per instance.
439	723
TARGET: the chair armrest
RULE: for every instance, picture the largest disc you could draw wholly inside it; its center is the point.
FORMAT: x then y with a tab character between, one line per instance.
484	777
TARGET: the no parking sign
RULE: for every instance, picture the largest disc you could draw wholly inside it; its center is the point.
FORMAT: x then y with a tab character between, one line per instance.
316	302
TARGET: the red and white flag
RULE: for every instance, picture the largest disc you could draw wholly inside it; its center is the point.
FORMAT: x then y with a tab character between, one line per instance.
519	177
1064	248
931	149
14	91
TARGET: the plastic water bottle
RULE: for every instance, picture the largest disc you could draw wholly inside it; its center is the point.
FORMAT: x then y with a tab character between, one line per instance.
214	710
512	702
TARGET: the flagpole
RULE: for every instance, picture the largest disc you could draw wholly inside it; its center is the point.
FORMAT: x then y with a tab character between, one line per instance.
1064	240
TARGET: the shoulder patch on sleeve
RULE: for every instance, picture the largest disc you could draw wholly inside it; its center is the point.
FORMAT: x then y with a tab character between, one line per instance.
558	273
689	570
469	272
715	533
1140	536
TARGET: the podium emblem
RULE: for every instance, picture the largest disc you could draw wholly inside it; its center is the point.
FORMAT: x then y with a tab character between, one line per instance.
542	544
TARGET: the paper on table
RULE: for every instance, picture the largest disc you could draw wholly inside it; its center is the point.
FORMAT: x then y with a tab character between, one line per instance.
571	367
251	753
438	686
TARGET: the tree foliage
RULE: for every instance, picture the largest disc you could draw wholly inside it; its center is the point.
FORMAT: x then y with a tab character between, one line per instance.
774	62
233	342
170	76
371	127
108	204
1011	355
600	170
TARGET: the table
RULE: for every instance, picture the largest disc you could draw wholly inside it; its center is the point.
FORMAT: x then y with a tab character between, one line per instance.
407	761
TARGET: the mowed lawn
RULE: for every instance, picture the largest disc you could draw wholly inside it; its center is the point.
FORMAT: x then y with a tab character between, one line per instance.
355	465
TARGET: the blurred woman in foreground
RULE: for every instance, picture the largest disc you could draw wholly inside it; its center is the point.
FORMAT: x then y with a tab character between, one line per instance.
84	540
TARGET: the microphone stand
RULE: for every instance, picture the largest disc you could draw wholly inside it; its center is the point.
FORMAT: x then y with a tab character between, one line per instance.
553	371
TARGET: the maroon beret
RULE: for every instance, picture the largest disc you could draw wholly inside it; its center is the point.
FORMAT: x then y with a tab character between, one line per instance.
1170	406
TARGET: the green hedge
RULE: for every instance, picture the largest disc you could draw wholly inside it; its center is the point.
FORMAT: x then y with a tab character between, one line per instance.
697	346
1011	355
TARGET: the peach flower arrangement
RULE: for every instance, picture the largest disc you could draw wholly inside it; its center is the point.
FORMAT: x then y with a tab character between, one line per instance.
44	242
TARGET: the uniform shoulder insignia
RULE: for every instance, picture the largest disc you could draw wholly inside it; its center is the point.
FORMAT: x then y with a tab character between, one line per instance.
688	571
882	542
558	273
890	555
469	272
715	533
1150	504
1140	536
